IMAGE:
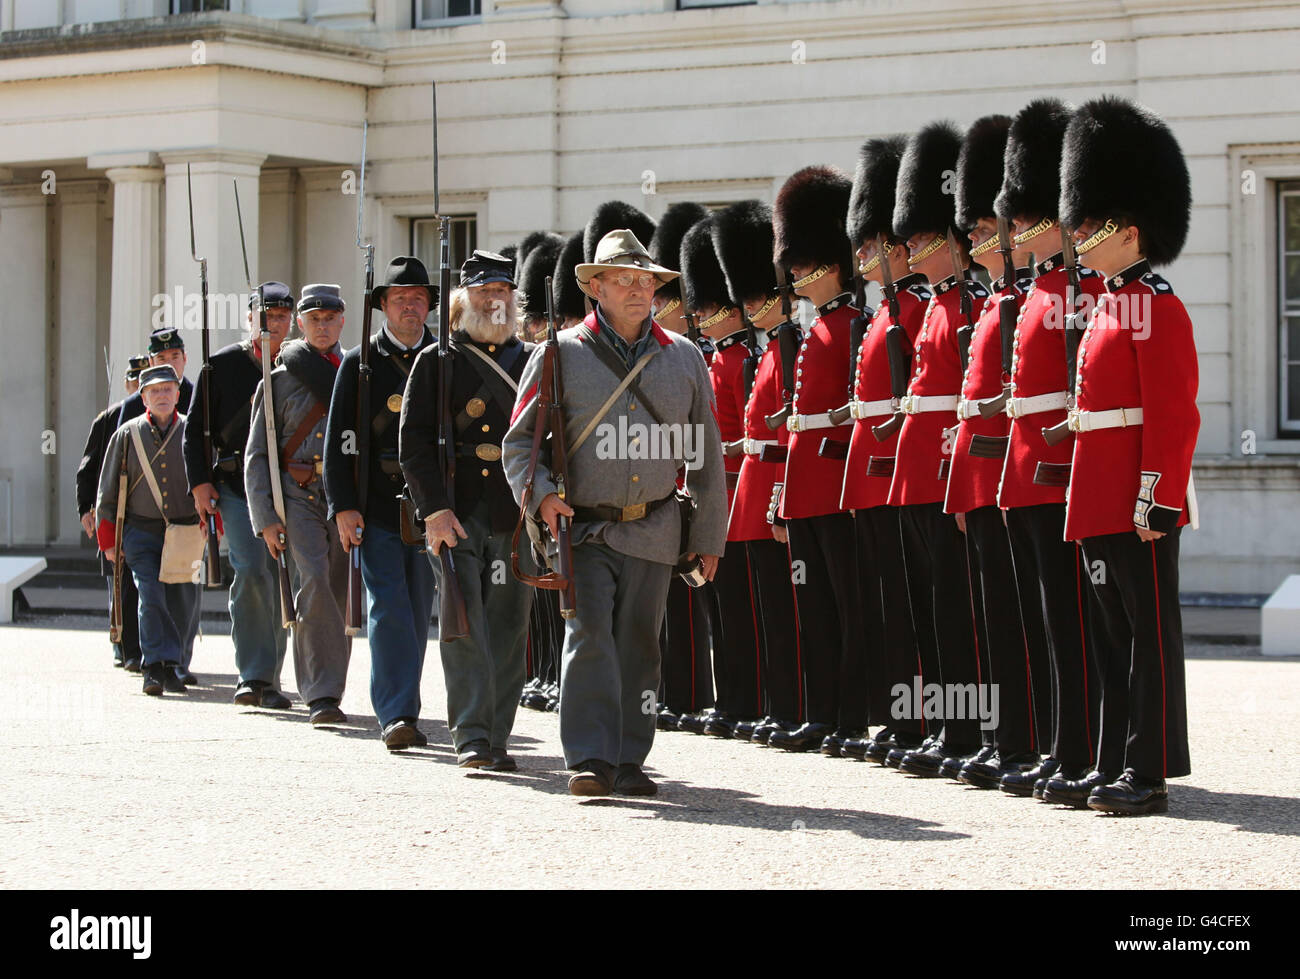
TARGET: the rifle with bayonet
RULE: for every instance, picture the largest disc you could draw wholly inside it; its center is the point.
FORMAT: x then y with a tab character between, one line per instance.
788	339
857	333
453	618
288	614
550	418
1007	315
356	587
749	370
1074	326
119	523
897	346
212	554
965	332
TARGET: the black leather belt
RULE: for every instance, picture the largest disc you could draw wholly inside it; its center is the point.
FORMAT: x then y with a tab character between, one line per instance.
635	511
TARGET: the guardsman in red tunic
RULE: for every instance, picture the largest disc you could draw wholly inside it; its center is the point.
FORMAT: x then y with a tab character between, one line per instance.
687	695
742	238
1049	570
887	618
977	456
938	582
810	241
738	634
1136	421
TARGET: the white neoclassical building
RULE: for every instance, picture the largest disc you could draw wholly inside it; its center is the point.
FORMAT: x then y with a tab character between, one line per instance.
548	107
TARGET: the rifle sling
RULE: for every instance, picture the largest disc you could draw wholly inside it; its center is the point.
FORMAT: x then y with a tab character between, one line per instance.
300	433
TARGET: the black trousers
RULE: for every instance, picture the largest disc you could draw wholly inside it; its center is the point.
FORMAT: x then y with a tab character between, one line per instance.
1000	627
545	636
782	675
1053	579
824	568
938	589
686	671
886	616
738	651
130	639
1140	639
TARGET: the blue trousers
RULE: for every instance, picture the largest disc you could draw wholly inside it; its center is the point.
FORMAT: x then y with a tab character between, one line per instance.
260	640
609	671
169	614
400	582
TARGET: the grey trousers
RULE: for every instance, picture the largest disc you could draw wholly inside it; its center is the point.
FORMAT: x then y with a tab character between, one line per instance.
485	670
609	671
321	650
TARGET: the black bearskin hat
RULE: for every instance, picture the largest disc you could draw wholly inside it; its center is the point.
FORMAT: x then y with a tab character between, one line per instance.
666	246
536	264
742	238
611	216
703	283
530	242
808	224
569	300
923	199
979	168
871	205
1031	178
1122	161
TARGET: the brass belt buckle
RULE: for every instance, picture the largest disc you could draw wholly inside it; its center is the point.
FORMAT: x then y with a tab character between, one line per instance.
1073	421
487	451
634	511
908	404
319	466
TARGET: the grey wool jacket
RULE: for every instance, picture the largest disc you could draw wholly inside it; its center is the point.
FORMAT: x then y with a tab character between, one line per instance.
294	400
169	471
610	468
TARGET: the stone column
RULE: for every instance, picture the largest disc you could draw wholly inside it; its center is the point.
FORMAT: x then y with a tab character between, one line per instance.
137	252
330	253
216	238
24	325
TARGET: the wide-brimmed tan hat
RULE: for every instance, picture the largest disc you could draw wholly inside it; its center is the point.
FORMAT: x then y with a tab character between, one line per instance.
620	250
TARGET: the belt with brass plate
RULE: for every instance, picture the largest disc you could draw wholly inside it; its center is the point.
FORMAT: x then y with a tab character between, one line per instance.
487	451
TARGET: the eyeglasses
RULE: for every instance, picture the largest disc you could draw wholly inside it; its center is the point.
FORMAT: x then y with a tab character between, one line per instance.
625	279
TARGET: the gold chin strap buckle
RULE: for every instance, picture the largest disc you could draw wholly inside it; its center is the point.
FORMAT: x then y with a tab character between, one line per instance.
717	317
939	242
811	277
1033	232
984	247
1097	237
634	511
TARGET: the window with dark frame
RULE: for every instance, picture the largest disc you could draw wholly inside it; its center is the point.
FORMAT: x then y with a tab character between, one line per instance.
692	4
463	231
425	13
1288	304
198	6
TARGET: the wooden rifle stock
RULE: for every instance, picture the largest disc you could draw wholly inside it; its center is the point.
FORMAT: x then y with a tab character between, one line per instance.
354	608
900	361
1073	330
857	333
1006	321
550	418
733	449
115	613
788	340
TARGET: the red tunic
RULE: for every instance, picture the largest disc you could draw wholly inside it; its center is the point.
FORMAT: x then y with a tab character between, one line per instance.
919	473
757	479
1138	352
726	371
860	490
812	486
1038	367
973	480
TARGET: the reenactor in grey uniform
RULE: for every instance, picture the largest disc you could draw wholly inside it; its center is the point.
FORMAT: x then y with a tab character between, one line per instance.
156	496
627	525
301	386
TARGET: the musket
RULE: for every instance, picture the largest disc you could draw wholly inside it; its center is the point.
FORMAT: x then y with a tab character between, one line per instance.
354	611
212	553
1073	331
966	331
550	418
453	619
1006	321
857	333
115	613
288	614
788	339
749	370
896	345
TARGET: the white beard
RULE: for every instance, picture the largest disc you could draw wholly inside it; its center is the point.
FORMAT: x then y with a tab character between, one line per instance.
482	329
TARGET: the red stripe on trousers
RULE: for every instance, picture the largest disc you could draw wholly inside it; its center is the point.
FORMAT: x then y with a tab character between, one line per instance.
1083	647
1164	698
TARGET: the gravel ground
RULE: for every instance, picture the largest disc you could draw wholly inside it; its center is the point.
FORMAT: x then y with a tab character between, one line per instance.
95	774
